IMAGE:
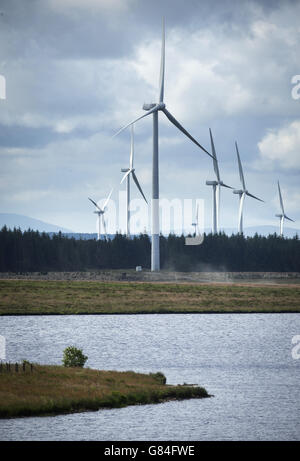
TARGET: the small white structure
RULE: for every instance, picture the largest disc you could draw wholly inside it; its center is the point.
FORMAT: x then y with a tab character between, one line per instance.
242	192
282	216
138	268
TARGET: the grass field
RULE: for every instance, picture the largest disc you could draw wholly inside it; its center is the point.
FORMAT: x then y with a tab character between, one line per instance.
56	389
20	297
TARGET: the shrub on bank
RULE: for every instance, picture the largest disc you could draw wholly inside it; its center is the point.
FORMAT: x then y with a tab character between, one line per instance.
74	357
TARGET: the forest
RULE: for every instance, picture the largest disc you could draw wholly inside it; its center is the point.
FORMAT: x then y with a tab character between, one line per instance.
32	251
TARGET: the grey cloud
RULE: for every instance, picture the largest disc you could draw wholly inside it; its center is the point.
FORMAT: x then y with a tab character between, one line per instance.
71	81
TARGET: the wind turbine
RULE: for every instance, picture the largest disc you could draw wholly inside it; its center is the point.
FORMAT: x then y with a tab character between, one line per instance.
196	224
130	171
242	192
216	186
282	215
100	212
153	109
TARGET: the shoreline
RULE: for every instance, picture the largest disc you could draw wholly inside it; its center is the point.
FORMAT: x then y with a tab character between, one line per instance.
55	390
210	312
164	276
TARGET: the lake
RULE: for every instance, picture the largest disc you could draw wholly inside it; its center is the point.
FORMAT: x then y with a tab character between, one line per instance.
244	360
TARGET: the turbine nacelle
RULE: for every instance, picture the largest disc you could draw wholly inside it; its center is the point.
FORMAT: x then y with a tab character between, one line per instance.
148	106
159	106
239	192
211	183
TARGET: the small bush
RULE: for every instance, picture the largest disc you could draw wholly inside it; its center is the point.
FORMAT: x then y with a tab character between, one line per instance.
74	357
159	377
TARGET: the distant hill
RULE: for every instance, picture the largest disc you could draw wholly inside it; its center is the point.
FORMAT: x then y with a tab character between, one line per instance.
248	232
11	220
25	222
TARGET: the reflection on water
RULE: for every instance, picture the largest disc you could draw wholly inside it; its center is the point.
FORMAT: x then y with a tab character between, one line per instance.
243	359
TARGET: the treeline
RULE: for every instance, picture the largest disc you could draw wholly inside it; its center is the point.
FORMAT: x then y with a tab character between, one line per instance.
31	251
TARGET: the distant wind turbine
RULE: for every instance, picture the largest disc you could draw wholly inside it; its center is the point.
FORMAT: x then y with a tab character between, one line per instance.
242	193
100	212
196	223
130	171
282	215
153	109
216	186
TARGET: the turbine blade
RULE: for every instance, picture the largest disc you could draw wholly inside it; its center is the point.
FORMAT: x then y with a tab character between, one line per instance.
286	217
107	200
125	175
280	198
138	186
132	147
95	204
136	120
162	65
240	167
253	196
215	161
180	127
225	185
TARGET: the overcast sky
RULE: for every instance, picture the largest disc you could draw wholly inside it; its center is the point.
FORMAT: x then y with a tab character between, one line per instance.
76	71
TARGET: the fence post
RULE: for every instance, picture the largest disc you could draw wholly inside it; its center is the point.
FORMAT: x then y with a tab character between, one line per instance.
31	367
16	368
24	366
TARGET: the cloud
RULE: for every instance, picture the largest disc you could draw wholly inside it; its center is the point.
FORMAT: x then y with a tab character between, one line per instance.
94	5
282	147
217	71
77	71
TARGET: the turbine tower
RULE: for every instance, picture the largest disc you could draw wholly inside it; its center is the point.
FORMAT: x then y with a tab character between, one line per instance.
282	215
130	171
153	109
196	223
100	212
242	192
216	186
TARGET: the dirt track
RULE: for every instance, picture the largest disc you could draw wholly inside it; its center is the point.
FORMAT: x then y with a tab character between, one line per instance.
163	276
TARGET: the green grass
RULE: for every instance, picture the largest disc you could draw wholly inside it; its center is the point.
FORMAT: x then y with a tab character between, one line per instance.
56	389
19	297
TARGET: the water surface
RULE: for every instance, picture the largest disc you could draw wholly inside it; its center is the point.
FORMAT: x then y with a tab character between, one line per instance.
243	359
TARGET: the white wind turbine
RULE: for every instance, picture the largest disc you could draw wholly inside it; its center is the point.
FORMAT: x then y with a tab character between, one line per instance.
216	186
282	215
196	223
100	212
130	171
153	109
242	193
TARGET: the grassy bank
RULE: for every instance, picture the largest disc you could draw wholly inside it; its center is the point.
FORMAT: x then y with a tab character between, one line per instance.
56	389
21	297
